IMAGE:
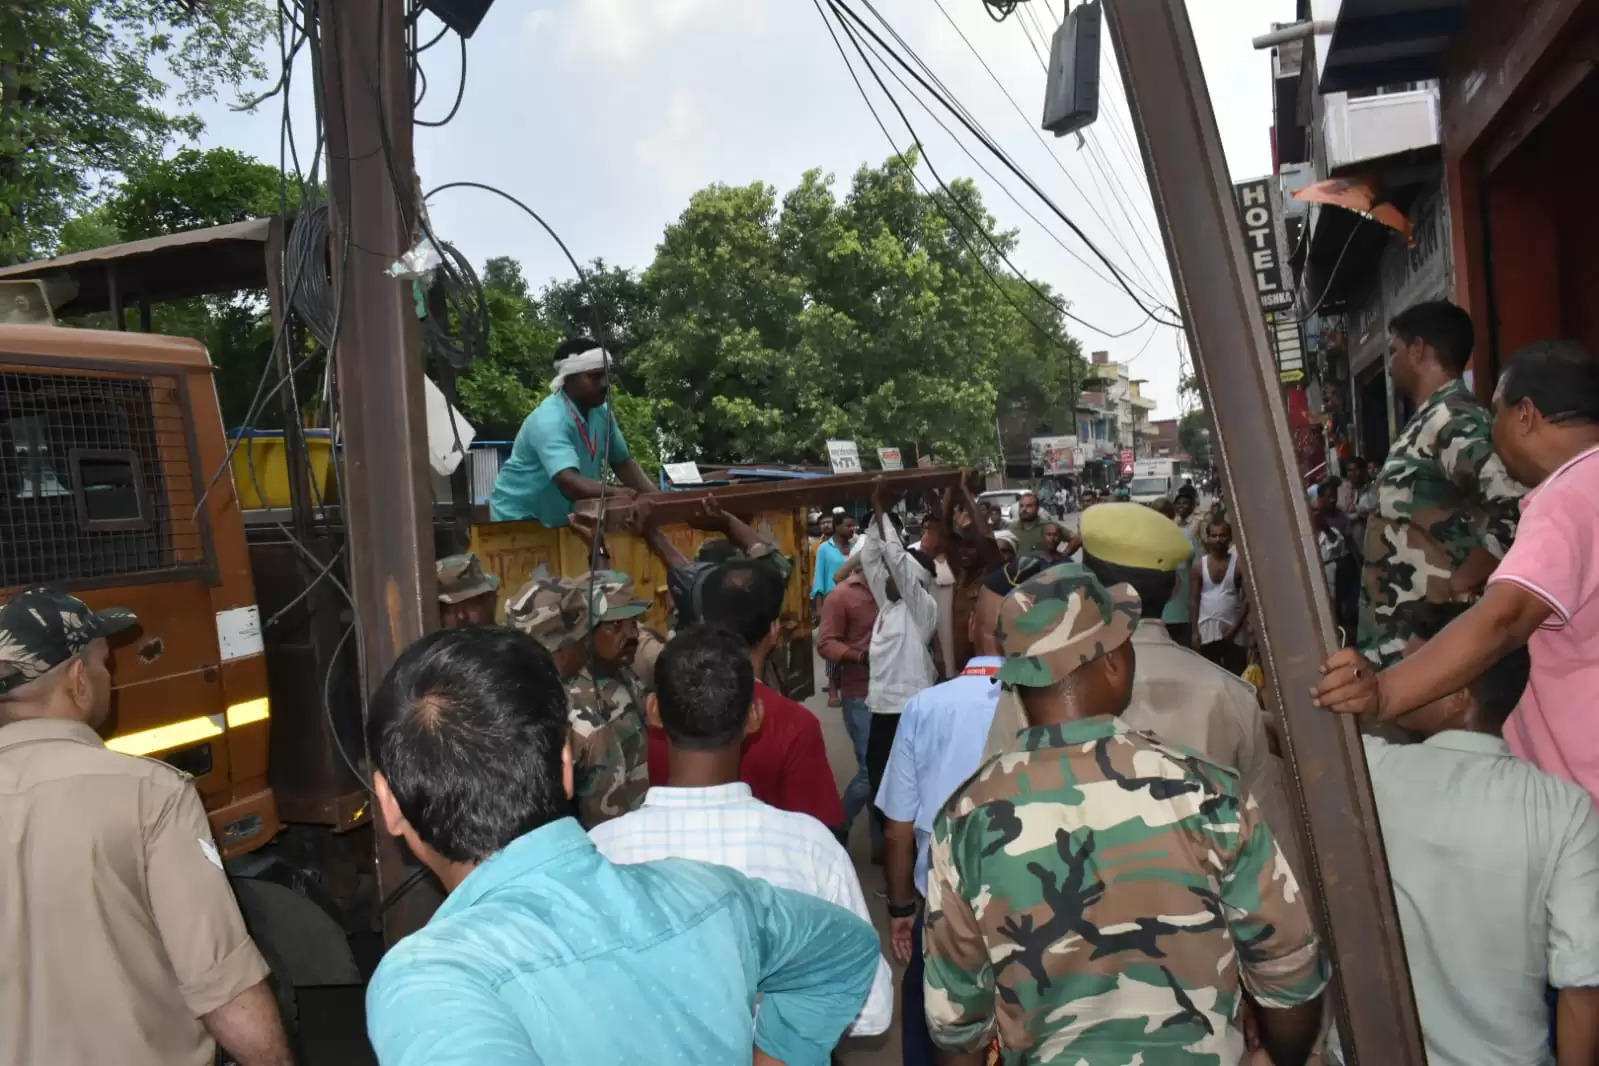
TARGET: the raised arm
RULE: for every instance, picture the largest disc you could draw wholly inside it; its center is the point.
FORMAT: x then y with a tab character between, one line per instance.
902	565
873	563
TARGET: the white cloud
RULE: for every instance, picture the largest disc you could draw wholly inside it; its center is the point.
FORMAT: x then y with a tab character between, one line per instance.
605	115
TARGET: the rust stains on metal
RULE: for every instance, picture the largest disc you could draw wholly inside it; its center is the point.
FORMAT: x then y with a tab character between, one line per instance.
1193	197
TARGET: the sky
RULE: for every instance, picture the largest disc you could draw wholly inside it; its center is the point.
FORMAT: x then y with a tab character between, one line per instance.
606	115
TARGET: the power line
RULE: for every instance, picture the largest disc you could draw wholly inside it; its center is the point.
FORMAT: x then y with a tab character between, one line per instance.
976	223
1108	188
953	225
1068	249
1098	273
840	5
1032	128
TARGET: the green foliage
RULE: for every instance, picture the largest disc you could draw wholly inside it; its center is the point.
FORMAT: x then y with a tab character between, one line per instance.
498	390
81	99
783	325
195	189
1194	435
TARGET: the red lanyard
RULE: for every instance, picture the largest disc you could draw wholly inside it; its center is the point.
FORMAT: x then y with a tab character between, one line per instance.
582	428
980	671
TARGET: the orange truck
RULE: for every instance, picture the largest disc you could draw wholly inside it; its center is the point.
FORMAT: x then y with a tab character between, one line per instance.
117	483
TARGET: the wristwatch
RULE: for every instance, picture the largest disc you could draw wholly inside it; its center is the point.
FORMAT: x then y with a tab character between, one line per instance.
902	910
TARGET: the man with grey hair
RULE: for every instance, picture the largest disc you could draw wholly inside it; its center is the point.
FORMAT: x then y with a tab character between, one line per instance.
123	938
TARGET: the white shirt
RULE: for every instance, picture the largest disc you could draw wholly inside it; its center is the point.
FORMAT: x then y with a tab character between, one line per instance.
1495	867
901	665
728	826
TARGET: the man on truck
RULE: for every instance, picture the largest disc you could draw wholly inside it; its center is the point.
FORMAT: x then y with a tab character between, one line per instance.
563	447
123	942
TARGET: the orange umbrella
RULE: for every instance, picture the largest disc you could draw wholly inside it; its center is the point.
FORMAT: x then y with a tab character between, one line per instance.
1359	194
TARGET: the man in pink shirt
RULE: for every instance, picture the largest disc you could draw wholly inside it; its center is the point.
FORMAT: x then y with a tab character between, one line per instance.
1545	594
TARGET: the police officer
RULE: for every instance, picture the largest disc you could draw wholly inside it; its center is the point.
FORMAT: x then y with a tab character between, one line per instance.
1178	695
590	624
121	937
467	595
1096	894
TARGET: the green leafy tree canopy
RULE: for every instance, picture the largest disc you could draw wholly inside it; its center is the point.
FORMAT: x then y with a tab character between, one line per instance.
81	102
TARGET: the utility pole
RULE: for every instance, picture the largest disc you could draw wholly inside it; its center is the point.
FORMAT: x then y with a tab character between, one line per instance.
1193	196
387	501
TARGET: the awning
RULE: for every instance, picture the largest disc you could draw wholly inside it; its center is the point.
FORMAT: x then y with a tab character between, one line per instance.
193	263
1384	42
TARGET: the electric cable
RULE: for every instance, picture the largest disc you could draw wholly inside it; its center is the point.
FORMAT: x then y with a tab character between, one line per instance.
460	93
1033	129
953	225
842	5
1004	256
1107	188
1333	273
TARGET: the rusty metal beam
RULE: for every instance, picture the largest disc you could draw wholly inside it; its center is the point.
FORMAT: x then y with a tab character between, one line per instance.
1187	173
747	499
386	493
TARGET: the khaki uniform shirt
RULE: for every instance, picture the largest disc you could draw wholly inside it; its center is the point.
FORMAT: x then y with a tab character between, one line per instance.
118	928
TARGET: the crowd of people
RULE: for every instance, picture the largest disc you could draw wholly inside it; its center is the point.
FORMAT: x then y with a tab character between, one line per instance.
1088	850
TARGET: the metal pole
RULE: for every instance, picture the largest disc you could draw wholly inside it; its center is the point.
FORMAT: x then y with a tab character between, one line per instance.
1187	173
387	498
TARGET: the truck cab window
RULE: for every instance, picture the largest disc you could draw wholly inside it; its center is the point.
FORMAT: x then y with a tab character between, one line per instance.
109	489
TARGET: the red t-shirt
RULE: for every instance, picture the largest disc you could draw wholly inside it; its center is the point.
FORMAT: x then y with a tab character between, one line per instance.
785	764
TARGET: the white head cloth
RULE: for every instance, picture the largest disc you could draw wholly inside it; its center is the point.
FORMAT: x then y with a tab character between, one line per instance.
581	363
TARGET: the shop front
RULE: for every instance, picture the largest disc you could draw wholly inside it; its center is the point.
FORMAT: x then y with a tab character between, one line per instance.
1520	109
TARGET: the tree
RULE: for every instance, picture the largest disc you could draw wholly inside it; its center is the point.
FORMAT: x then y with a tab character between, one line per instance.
81	101
878	318
500	388
195	189
191	190
1194	435
613	307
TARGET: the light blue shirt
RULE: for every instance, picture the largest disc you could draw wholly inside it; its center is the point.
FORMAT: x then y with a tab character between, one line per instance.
549	442
938	745
828	559
548	953
1495	866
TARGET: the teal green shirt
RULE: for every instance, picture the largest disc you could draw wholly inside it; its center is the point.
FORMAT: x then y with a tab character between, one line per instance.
548	954
550	441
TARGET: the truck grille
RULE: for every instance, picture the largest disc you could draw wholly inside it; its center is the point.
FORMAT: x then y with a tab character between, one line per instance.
97	477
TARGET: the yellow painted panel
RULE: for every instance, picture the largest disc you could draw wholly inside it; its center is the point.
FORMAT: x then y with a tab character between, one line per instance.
513	550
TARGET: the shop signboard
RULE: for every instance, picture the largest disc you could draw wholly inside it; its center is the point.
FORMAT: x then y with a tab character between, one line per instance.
1054	455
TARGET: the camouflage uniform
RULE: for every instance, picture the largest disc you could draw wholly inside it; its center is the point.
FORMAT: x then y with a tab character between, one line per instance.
1442	493
1096	896
605	712
461	577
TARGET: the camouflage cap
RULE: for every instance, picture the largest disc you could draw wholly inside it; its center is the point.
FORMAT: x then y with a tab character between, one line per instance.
461	577
42	628
1060	620
560	611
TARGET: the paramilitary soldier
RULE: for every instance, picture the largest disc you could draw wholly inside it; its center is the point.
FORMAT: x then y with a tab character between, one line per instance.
574	617
1096	895
1446	506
